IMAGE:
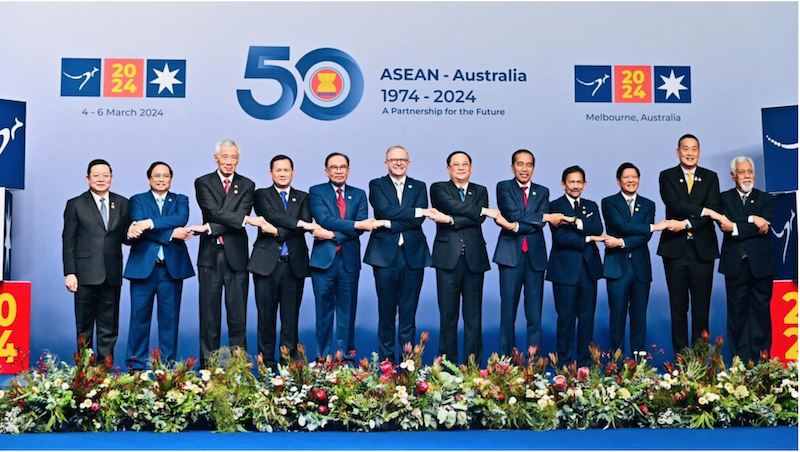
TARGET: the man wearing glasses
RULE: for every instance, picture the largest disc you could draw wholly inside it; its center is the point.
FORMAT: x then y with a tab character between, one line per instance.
95	224
398	251
341	211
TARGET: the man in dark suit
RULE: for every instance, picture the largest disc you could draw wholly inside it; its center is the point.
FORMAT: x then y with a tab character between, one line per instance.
520	253
341	212
157	265
630	222
279	263
689	245
747	262
398	251
459	256
225	199
95	224
575	267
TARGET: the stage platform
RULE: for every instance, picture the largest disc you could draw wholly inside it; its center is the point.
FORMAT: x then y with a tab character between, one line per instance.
741	438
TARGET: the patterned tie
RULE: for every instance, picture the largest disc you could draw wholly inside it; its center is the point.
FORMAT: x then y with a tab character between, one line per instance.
462	194
104	212
227	183
284	248
342	208
160	202
630	205
689	181
744	199
525	201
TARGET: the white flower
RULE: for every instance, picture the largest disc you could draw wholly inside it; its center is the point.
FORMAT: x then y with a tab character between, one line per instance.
794	394
283	411
578	392
219	370
722	375
529	394
159	372
97	424
158	405
675	373
408	365
702	400
312	365
205	374
145	376
512	401
106	382
46	385
92	393
277	381
520	380
86	403
58	382
2	393
729	387
64	386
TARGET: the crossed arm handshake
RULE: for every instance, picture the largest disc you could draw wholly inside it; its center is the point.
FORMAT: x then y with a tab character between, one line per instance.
726	225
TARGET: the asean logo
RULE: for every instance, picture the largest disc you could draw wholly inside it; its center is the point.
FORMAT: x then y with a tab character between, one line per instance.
326	84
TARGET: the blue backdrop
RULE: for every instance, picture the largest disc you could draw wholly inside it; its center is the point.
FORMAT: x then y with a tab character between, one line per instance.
593	84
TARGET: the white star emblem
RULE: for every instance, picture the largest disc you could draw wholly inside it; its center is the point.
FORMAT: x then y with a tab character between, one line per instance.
166	79
672	85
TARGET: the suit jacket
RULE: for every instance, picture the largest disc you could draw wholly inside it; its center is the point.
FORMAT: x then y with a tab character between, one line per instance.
680	205
144	251
90	252
267	249
322	200
465	230
757	246
570	249
634	230
224	213
382	245
512	206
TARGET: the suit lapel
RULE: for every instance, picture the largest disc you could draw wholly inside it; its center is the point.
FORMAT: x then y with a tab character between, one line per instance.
348	202
93	208
233	191
169	204
112	211
407	192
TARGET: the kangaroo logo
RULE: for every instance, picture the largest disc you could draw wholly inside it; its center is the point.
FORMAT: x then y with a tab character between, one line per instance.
7	135
599	81
86	76
787	232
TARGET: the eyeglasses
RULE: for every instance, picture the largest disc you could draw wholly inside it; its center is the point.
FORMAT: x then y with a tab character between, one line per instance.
460	165
397	161
97	176
335	169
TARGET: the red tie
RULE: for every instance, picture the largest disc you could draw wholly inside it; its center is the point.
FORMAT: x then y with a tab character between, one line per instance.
227	183
525	199
342	208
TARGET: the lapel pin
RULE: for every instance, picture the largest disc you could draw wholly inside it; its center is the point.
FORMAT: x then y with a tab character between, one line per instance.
235	185
533	193
698	179
409	186
636	209
112	205
752	201
680	180
169	200
349	197
469	193
236	192
294	199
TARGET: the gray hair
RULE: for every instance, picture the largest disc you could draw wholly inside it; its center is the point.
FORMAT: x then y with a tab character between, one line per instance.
225	142
741	159
397	146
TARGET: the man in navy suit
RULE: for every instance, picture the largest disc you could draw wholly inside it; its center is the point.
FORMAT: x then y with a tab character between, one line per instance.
689	245
575	267
630	222
341	212
157	265
279	263
520	253
747	261
398	251
94	230
459	256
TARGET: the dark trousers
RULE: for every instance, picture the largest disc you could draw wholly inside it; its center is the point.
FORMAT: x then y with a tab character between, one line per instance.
212	280
281	288
143	291
749	324
512	279
688	275
575	302
451	287
335	290
98	305
398	287
627	296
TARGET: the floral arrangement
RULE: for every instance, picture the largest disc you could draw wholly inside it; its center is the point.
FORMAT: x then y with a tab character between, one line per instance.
520	391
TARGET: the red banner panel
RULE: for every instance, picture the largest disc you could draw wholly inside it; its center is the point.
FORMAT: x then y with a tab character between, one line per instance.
783	310
15	326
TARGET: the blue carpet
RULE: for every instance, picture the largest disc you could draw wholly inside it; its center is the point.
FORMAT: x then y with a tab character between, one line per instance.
768	438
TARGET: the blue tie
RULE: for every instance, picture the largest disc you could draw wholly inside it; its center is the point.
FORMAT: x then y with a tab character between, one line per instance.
285	248
462	194
104	212
160	202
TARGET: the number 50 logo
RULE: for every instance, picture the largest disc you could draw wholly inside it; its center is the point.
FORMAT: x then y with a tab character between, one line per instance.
325	83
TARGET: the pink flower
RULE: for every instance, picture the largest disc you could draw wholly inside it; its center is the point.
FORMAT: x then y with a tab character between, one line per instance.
422	387
384	378
95	406
583	373
561	382
321	395
323	409
387	367
484	373
501	397
644	409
